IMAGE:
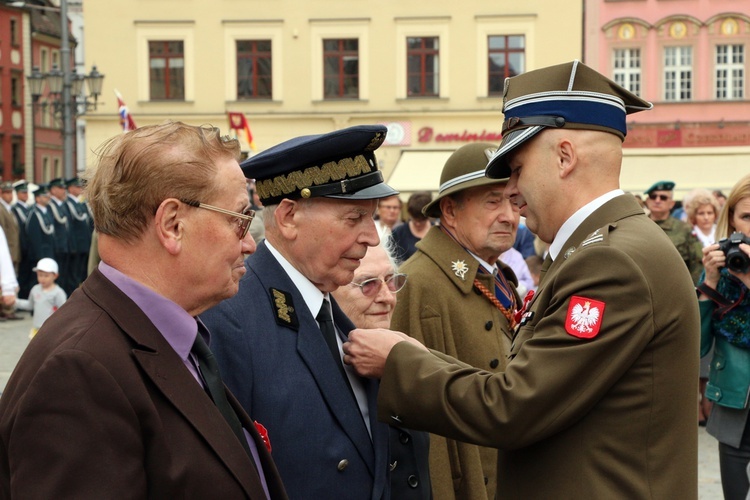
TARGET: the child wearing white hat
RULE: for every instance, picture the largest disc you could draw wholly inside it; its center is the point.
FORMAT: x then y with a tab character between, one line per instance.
45	297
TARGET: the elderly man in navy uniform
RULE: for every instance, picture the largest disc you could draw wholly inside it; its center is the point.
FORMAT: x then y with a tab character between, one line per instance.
277	341
20	209
598	399
80	231
660	202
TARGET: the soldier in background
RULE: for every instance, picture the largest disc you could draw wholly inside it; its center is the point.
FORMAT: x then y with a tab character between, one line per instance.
660	201
61	217
40	229
20	209
80	232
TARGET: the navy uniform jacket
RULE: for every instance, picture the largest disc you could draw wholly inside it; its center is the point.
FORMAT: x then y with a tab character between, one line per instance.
80	226
274	359
40	234
61	218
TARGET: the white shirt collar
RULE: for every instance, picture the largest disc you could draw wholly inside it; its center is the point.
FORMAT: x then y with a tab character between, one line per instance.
575	220
310	293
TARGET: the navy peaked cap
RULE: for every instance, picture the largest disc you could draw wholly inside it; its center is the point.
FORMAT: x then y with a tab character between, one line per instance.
339	164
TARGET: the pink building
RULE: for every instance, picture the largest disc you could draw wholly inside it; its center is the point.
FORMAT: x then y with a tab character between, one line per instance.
690	58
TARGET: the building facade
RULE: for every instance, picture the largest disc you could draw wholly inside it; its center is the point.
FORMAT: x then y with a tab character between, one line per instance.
690	58
12	102
433	72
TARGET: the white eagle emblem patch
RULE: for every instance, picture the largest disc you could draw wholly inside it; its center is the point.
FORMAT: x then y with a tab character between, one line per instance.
584	317
460	268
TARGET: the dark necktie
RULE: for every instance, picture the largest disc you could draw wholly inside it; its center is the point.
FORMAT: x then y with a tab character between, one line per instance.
329	333
209	370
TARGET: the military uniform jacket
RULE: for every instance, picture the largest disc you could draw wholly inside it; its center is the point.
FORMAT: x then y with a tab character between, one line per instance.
273	357
61	218
40	234
101	406
80	226
441	308
608	416
687	244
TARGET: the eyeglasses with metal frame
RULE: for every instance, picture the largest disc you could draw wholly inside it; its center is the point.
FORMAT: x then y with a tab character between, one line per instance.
371	287
243	219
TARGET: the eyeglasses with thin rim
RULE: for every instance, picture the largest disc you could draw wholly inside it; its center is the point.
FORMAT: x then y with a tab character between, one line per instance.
371	287
243	219
662	197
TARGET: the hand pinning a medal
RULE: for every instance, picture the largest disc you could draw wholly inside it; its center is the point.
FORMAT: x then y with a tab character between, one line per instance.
368	350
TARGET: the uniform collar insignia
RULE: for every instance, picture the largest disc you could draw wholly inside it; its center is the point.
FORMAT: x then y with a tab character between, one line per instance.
460	268
285	313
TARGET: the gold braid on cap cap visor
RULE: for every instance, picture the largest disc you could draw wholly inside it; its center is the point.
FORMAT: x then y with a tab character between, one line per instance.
313	176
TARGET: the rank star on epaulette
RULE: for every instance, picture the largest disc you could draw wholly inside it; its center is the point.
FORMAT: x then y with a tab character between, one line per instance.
460	268
285	313
584	317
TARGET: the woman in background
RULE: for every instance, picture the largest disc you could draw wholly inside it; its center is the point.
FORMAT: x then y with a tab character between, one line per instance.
369	301
725	324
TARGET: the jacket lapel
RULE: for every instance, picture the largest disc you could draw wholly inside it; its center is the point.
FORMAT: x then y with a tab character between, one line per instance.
166	370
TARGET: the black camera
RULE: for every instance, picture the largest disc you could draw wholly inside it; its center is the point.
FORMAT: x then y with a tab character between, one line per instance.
737	260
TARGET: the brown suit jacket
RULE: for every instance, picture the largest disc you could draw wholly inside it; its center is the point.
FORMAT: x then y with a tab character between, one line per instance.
100	406
611	416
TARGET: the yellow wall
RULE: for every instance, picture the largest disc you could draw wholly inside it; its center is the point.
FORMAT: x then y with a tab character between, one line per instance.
117	32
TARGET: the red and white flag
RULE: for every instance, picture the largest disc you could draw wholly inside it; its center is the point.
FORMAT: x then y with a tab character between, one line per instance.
126	120
238	122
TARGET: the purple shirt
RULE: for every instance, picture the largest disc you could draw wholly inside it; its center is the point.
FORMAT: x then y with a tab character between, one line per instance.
176	326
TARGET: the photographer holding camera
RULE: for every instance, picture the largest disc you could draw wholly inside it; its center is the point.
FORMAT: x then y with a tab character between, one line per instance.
725	323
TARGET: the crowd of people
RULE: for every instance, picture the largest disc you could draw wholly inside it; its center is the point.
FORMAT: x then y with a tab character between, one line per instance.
532	331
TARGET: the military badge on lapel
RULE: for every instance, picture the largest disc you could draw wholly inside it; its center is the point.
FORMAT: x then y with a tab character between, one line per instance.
460	268
584	317
285	313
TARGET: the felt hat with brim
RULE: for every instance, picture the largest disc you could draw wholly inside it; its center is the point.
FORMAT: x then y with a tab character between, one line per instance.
464	169
571	96
339	164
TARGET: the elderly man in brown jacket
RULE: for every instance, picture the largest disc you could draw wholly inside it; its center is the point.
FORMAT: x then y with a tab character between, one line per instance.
458	285
598	397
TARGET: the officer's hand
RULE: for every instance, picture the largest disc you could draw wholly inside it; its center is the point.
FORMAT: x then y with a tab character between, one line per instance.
367	350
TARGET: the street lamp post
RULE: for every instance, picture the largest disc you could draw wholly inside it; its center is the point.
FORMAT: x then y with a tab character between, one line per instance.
65	86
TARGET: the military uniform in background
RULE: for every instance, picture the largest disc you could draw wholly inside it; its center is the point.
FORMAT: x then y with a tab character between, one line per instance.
21	211
61	217
687	244
40	229
80	235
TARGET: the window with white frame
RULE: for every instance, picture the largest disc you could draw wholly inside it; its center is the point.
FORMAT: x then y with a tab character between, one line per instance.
678	73
627	69
730	72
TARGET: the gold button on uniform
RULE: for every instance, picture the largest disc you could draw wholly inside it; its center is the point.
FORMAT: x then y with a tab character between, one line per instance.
342	465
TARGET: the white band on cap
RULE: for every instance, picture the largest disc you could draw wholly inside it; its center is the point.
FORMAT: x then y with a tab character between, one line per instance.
460	180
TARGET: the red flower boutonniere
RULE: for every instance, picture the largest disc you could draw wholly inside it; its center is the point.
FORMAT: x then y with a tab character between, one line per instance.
263	435
520	312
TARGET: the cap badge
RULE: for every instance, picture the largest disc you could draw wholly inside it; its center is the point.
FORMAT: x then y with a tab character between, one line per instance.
460	268
584	317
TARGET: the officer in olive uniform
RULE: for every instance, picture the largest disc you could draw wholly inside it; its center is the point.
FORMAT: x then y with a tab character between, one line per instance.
660	201
40	228
598	399
80	232
21	209
61	216
10	228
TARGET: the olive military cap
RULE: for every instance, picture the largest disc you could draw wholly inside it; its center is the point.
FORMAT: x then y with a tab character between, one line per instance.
569	95
464	169
339	164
